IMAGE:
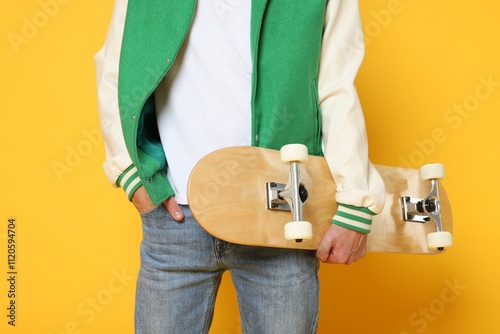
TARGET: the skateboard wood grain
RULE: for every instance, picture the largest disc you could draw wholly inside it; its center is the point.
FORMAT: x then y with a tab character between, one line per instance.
227	195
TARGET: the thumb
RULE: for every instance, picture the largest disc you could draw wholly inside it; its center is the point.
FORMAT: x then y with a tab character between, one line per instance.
174	209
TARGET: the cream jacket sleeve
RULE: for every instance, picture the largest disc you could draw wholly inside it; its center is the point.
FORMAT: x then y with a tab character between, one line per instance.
118	165
359	186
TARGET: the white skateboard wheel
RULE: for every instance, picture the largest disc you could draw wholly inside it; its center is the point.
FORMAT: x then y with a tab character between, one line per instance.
432	171
298	230
439	240
294	153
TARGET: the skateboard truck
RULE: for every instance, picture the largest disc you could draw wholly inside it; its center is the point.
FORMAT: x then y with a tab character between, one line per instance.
424	210
276	196
291	196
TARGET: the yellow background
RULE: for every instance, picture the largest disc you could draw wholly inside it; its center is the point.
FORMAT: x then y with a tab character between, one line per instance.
424	87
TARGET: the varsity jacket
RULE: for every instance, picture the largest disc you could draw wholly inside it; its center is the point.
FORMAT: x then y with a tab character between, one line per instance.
305	57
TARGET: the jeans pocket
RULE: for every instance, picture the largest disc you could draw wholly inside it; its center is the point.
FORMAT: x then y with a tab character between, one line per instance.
151	212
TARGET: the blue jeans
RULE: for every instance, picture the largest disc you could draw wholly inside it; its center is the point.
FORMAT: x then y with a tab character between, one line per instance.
182	267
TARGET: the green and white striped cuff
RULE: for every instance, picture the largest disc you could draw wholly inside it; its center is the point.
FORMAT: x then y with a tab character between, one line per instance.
354	218
129	180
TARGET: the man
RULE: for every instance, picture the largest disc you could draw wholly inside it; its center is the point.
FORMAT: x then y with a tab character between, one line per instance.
179	79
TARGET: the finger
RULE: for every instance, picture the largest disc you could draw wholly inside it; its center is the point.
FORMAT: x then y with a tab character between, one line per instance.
323	253
342	256
357	255
324	250
358	250
339	258
174	209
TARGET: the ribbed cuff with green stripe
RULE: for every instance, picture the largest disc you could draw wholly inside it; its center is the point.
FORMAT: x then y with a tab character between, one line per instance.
129	180
354	218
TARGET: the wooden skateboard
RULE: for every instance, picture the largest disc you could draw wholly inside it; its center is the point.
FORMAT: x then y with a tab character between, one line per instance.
244	194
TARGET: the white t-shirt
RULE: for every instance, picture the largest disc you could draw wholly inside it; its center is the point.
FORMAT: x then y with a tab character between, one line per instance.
203	103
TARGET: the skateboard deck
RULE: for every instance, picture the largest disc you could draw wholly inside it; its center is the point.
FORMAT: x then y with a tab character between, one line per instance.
227	195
